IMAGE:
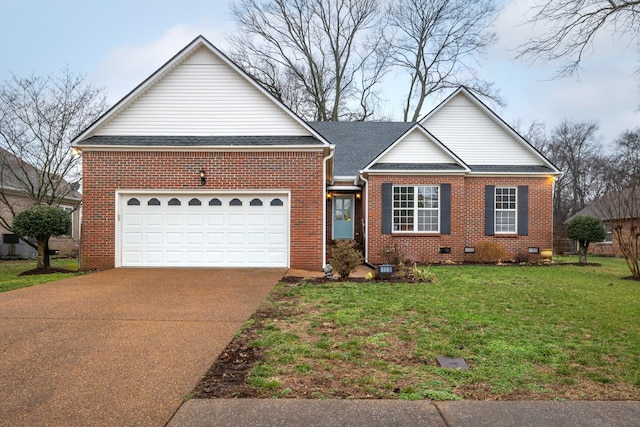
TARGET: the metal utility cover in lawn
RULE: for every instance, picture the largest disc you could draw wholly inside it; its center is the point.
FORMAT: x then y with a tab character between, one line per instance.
452	363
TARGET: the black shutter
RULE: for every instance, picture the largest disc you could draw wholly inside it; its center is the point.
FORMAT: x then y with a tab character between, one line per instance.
387	207
445	208
489	209
523	210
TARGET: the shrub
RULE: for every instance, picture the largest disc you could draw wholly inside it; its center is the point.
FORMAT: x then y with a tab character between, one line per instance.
345	257
586	229
489	251
424	274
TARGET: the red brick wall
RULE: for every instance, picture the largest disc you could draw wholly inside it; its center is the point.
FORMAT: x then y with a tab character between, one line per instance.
106	172
467	219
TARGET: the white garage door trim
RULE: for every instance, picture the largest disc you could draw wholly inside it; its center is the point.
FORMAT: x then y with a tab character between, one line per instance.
216	235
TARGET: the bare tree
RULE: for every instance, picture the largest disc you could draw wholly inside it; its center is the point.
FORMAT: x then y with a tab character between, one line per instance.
38	118
573	25
574	148
314	55
620	210
624	164
438	43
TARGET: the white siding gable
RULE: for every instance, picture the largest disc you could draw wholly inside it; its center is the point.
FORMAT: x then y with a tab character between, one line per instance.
416	147
475	136
204	96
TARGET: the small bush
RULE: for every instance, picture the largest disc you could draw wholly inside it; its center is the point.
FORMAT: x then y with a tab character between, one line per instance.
424	274
345	257
488	251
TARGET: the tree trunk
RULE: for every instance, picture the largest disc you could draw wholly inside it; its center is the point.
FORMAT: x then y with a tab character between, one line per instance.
583	252
43	253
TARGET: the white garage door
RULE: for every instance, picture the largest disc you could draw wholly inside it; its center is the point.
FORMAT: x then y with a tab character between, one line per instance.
204	230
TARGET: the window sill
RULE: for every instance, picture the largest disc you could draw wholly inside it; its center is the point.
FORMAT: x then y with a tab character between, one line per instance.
506	235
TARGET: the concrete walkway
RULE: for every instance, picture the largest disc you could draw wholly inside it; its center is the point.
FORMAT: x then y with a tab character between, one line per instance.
122	347
386	413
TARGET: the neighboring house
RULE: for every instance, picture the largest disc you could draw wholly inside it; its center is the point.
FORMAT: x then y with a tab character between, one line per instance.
615	208
13	191
200	166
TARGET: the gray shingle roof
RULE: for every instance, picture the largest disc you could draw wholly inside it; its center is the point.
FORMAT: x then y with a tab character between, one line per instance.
197	141
358	143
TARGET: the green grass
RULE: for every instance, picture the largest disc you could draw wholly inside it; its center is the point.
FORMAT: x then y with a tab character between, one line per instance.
9	271
547	332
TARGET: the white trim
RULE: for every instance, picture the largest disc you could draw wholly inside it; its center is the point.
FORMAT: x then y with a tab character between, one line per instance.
325	161
347	178
353	214
344	188
120	194
416	209
495	211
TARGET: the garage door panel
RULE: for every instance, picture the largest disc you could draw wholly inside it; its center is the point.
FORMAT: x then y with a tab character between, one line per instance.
277	219
222	230
256	220
215	219
133	238
195	220
174	219
173	238
215	238
153	219
153	257
234	238
134	218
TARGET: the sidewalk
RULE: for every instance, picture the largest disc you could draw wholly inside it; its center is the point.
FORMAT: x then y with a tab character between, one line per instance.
384	413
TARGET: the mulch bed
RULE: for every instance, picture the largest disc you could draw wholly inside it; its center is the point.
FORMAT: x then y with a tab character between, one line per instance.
37	271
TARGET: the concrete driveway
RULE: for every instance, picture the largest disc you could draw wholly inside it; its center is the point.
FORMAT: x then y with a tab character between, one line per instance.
119	347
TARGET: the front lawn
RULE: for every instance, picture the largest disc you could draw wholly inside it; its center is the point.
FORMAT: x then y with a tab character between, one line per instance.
10	270
557	332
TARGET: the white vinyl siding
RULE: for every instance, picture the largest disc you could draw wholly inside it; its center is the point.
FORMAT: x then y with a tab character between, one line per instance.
416	147
475	137
506	210
202	96
416	209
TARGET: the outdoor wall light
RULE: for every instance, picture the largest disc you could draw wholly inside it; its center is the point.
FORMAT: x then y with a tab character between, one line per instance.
203	177
328	195
358	196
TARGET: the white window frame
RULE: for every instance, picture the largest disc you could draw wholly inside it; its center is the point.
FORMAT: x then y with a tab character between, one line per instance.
415	209
497	209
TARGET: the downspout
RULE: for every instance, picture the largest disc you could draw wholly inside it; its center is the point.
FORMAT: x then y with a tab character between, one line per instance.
366	218
332	150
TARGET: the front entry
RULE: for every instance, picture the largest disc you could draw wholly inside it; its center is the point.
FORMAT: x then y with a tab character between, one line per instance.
343	217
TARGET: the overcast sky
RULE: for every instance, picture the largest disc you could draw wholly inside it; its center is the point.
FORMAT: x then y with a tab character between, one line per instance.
119	43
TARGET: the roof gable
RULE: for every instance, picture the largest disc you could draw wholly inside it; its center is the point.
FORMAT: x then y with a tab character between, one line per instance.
419	146
199	92
479	136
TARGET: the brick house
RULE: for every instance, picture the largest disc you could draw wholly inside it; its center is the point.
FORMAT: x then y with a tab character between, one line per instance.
200	166
13	194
